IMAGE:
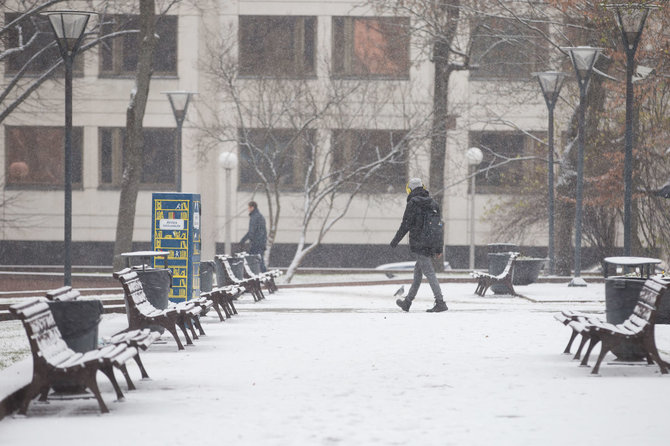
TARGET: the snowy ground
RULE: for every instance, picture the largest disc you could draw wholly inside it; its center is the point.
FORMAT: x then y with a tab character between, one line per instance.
328	366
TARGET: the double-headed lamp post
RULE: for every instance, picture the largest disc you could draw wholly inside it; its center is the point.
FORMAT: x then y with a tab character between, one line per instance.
551	83
179	101
630	18
583	60
474	156
228	162
68	28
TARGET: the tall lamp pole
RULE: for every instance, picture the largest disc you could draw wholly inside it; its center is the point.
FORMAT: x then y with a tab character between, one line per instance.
474	156
179	101
228	161
583	59
551	83
630	18
68	28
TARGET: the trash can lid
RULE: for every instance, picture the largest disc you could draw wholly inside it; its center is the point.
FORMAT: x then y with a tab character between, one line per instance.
632	261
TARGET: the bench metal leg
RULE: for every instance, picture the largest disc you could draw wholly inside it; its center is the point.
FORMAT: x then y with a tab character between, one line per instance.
578	353
141	366
569	346
92	384
109	372
592	343
173	332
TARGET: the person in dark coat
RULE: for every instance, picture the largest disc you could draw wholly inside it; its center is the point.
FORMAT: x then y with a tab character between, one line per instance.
257	234
418	202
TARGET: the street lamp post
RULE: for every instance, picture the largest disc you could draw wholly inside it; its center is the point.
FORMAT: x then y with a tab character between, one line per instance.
583	60
68	28
551	83
474	156
179	101
630	18
228	161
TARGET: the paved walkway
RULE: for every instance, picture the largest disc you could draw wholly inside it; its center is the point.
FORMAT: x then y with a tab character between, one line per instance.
345	366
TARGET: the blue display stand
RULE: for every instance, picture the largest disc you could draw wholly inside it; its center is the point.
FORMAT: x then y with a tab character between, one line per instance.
176	229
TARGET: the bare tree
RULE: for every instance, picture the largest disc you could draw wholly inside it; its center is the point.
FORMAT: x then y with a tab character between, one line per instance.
134	142
319	140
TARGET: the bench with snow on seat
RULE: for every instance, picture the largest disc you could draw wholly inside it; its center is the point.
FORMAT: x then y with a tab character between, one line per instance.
638	329
231	270
223	297
54	362
567	316
252	269
141	314
485	280
140	339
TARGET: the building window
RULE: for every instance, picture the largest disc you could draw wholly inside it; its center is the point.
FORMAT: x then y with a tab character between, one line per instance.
35	156
510	177
355	148
31	47
160	160
277	46
277	155
119	55
371	47
505	49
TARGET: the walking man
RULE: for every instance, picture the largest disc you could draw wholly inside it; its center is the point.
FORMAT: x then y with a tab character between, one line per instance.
257	234
424	242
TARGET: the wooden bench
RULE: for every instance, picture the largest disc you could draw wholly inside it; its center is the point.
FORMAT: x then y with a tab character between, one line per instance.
485	280
223	297
638	329
54	362
252	269
139	339
232	272
141	314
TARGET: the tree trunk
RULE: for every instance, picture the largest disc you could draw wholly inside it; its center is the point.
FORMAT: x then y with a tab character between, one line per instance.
134	141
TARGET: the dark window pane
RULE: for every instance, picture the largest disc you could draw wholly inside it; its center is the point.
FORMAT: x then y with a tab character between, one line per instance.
158	165
354	149
279	155
165	54
159	160
120	55
31	36
35	156
106	156
508	177
277	45
505	48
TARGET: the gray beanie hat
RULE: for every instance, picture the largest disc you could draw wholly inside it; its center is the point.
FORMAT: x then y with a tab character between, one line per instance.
414	183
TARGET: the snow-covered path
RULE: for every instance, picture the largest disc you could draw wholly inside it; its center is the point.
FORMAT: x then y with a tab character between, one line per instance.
345	366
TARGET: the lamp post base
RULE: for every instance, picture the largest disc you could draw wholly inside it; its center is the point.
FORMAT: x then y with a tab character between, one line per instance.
577	281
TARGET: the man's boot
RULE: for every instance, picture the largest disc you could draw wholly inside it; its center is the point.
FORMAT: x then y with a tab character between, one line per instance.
404	304
439	306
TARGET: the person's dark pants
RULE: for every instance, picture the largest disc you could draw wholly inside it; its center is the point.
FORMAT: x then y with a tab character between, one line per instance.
262	262
424	267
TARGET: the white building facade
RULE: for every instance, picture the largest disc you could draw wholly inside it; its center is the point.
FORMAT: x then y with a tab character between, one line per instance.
325	39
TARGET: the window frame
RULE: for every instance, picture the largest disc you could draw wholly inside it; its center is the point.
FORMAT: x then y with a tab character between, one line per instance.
348	71
112	50
503	28
39	44
301	68
117	136
371	187
33	133
303	141
530	147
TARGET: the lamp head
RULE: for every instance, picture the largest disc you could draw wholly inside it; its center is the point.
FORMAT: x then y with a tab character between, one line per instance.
68	28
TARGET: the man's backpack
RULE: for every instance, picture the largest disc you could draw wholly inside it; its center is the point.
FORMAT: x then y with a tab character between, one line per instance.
432	234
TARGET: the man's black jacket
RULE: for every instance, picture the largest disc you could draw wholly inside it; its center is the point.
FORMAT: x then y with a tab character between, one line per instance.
418	202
